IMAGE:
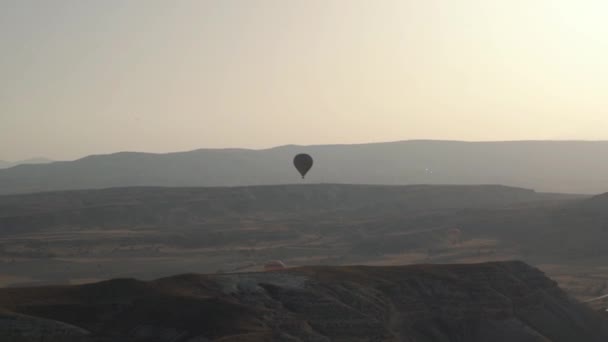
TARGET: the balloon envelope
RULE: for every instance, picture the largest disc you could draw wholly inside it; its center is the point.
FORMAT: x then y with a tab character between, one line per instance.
303	163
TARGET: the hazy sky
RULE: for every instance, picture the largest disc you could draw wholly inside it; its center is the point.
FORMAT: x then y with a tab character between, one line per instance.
83	77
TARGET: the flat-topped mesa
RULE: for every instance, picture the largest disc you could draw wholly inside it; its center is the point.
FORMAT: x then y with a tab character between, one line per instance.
498	301
154	206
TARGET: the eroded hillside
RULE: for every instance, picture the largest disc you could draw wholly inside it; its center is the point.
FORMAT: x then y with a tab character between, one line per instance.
506	301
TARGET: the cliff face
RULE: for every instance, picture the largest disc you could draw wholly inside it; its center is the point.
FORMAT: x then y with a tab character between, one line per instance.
507	301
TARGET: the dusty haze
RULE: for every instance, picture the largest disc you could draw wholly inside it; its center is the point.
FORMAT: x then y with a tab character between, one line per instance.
95	77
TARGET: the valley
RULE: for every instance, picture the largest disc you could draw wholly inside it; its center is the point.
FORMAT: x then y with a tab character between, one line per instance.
80	237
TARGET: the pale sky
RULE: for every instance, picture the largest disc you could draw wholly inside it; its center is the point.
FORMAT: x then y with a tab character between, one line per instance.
88	77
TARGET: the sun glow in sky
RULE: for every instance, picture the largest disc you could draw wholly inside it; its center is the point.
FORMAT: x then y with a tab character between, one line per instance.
103	76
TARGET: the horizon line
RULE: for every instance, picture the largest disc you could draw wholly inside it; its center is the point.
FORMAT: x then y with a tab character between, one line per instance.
51	160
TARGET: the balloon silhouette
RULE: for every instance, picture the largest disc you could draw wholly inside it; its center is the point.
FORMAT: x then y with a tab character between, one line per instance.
303	163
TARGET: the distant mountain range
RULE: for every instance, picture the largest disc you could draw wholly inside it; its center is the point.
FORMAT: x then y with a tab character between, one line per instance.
548	166
6	164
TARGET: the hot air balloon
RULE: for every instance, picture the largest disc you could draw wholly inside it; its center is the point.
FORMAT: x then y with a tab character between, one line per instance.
303	163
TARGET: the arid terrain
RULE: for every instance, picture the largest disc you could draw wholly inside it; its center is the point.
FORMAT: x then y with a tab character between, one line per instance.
504	302
303	171
79	237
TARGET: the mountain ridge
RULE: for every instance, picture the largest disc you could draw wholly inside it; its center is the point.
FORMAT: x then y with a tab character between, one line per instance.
547	166
499	301
31	161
